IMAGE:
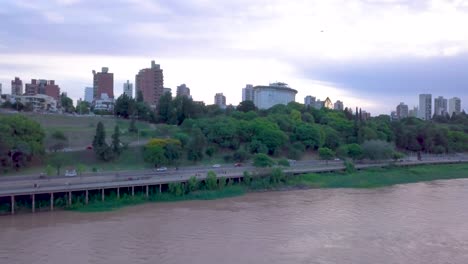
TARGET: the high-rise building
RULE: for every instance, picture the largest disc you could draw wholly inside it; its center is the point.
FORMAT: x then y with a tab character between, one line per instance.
220	100
1	89
43	87
402	111
413	112
248	93
17	86
309	101
89	94
273	94
167	90
150	82
328	103
128	89
103	83
425	106
454	106
440	106
338	105
183	90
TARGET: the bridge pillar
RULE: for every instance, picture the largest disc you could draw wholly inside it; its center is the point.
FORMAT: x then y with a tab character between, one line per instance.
86	197
69	198
118	192
147	191
33	203
51	201
102	194
12	204
133	190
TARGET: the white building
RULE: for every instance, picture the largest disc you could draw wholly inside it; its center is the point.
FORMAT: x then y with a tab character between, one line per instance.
309	101
89	96
454	106
425	106
440	106
273	94
128	89
39	102
338	105
248	93
105	104
220	100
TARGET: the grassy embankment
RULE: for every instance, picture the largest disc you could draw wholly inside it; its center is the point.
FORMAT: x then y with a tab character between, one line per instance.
370	178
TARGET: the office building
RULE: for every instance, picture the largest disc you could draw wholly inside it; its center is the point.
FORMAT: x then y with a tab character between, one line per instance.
150	82
39	102
338	106
454	106
220	100
413	112
167	90
248	93
183	90
425	106
43	87
309	101
440	106
89	94
128	89
402	111
17	86
103	83
273	94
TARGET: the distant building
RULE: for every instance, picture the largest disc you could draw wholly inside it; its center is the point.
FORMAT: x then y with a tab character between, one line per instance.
413	112
365	115
167	90
273	94
1	89
440	106
150	82
103	83
128	89
89	94
183	90
248	93
39	102
309	101
220	100
43	87
393	116
454	106
402	111
104	104
17	86
338	105
319	104
328	103
425	106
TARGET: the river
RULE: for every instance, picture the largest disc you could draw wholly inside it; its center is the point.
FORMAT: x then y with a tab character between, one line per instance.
414	223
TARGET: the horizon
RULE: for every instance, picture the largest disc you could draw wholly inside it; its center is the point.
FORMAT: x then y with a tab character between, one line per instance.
362	53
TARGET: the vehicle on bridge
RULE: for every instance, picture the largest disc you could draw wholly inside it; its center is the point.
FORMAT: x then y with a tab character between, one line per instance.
161	169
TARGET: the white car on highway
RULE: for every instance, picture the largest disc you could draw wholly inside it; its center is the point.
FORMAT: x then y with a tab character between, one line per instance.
70	173
161	169
216	166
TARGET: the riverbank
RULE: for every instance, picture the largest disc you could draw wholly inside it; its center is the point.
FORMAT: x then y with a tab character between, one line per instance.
369	178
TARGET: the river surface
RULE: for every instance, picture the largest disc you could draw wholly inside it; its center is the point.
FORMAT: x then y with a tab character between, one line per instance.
415	223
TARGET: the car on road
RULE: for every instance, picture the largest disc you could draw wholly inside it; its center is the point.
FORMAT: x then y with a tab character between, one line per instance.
70	173
238	165
89	147
216	166
337	159
161	169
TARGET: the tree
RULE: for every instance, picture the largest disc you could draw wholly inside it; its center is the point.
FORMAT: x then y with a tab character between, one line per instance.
116	144
196	145
326	154
58	141
262	160
377	150
211	181
172	152
246	106
124	106
165	107
80	168
66	103
57	161
192	184
154	155
139	96
83	108
101	149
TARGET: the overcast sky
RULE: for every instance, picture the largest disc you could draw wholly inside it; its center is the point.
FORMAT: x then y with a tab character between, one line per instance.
368	53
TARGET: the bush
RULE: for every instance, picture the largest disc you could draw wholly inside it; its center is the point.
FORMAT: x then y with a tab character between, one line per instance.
262	160
377	150
283	162
211	181
349	166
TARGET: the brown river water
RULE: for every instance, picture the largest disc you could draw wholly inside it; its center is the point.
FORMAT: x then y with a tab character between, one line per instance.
415	223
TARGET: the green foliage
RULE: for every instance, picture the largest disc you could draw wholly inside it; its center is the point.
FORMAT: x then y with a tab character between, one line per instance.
377	150
116	144
67	103
83	108
80	168
49	170
132	127
101	149
176	188
211	182
58	141
124	106
155	155
246	106
326	153
240	155
350	168
196	145
262	160
277	176
283	162
57	161
192	184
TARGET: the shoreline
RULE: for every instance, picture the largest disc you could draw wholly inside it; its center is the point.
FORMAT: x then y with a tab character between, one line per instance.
363	179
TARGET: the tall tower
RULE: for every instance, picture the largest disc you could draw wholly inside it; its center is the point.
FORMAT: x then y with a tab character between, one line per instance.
454	106
248	93
17	86
128	89
425	106
103	83
220	100
440	106
150	82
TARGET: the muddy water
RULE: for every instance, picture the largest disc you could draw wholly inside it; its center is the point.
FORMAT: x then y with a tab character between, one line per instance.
416	223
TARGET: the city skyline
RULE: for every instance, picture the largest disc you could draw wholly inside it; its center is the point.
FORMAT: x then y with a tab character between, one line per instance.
382	60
